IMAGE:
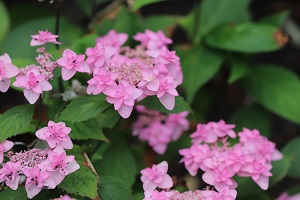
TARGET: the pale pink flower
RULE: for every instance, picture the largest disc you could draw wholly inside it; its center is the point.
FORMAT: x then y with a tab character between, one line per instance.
123	96
59	165
156	195
36	180
188	195
4	147
159	136
224	194
7	71
9	173
100	81
33	83
156	177
64	197
43	37
98	55
220	178
152	40
179	124
56	134
285	196
72	63
113	39
167	92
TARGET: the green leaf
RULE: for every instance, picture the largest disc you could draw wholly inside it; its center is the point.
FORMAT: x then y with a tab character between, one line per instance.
84	181
15	120
84	108
4	21
109	118
246	186
165	22
140	3
280	169
252	117
239	69
19	194
247	38
224	11
111	188
16	44
153	103
118	161
199	65
89	129
277	19
80	45
292	150
275	88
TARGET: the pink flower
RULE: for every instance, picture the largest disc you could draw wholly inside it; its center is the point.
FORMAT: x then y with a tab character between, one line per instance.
224	194
43	37
10	174
59	165
167	92
36	180
159	136
56	134
98	55
123	96
100	81
7	71
156	177
4	147
72	63
152	40
65	197
220	178
156	195
285	196
113	39
33	83
179	124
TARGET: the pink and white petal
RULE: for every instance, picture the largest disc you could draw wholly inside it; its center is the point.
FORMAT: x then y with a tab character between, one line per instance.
62	61
11	70
166	183
168	101
208	177
53	142
149	185
35	42
125	111
13	184
67	73
172	91
153	85
40	133
5	58
136	93
110	100
160	148
45	85
59	150
1	156
32	191
73	166
109	52
31	96
69	53
49	183
83	67
67	144
7	144
122	37
4	85
153	53
263	182
99	62
22	80
57	177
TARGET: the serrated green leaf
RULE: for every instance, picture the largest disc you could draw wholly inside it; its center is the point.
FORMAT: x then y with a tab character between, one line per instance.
111	188
292	150
247	38
118	161
140	3
279	169
239	69
15	120
4	21
84	108
108	118
153	103
82	182
199	65
89	129
224	11
277	19
277	89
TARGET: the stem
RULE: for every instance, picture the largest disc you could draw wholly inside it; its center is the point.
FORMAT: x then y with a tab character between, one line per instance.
40	104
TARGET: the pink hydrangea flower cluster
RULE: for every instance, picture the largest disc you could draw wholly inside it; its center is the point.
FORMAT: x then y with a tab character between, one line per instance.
127	75
159	129
251	157
43	168
33	78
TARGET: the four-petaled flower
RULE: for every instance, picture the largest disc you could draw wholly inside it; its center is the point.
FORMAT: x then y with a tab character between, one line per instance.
43	37
7	71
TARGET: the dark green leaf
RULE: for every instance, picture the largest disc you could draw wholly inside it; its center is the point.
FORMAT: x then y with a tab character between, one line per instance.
248	38
111	188
247	187
15	121
239	69
84	108
153	103
108	118
84	181
292	151
199	65
118	162
252	117
89	129
80	45
261	196
224	11
19	194
280	169
277	19
165	22
277	89
140	3
4	21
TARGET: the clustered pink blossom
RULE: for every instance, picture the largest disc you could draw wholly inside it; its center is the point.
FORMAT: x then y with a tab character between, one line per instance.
43	168
251	157
159	129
